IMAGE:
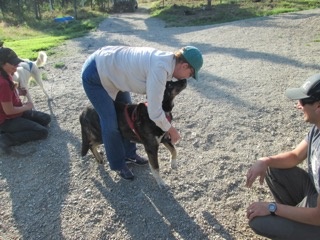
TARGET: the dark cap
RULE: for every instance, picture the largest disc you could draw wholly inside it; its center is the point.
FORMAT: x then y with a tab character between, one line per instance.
194	58
311	88
7	55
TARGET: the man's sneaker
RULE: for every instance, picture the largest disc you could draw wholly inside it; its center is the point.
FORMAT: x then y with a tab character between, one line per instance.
126	173
137	160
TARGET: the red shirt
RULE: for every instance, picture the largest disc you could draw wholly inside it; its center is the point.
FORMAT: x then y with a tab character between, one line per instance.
8	95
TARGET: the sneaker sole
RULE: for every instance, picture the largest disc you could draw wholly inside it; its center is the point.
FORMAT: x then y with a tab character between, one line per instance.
135	163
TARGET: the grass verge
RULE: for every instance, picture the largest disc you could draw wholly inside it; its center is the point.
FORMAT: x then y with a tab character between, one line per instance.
195	13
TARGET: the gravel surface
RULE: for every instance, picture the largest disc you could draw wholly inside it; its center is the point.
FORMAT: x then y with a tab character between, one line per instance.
235	114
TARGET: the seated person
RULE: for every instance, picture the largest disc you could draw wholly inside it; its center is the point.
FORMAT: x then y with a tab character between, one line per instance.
295	212
18	122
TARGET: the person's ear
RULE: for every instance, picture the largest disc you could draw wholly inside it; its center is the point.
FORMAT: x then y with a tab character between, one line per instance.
318	107
185	65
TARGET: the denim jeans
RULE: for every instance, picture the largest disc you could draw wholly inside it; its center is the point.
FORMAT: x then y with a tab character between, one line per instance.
31	126
292	187
117	148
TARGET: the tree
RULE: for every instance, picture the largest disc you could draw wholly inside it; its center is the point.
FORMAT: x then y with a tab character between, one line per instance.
209	4
75	8
37	11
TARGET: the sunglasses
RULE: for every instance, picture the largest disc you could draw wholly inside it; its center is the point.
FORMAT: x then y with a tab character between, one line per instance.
307	101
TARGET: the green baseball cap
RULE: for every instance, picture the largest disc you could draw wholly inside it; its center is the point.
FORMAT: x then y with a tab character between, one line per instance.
194	58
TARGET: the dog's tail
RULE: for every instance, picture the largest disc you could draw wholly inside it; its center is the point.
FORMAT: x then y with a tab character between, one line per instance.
85	141
42	59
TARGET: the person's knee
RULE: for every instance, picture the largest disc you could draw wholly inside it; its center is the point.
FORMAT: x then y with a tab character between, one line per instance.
259	226
47	120
42	133
271	227
255	224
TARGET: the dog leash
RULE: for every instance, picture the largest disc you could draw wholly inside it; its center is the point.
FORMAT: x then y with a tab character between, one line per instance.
133	118
130	120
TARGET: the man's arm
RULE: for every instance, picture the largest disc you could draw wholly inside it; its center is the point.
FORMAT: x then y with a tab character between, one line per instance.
282	160
299	214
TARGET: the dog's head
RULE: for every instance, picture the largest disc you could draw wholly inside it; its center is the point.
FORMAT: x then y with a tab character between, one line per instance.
171	91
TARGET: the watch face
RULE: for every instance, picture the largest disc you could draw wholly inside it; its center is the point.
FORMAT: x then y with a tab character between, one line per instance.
272	207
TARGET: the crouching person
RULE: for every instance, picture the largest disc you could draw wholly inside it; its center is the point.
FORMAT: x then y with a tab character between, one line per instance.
18	122
295	213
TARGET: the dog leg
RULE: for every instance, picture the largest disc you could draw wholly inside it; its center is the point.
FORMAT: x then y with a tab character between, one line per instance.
173	152
152	152
37	77
96	153
88	139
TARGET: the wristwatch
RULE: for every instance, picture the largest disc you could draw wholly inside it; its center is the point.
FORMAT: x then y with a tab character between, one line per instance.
272	207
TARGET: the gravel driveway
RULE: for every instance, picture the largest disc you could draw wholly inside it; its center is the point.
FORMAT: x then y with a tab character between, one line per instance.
234	114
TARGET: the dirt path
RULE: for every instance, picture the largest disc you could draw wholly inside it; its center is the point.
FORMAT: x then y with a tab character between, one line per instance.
236	113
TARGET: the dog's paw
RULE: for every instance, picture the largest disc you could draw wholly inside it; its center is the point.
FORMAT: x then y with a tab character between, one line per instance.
174	164
164	187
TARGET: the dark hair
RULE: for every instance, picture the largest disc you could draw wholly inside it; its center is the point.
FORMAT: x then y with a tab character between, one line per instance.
7	77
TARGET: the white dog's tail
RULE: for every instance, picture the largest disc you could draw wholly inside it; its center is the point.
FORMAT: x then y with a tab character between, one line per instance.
42	59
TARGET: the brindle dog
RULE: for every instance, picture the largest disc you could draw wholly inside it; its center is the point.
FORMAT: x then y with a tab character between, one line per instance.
135	125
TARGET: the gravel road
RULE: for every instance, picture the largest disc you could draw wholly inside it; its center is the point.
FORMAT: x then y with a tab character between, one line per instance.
234	114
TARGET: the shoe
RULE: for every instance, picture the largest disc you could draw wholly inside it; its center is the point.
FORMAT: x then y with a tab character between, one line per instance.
137	160
126	173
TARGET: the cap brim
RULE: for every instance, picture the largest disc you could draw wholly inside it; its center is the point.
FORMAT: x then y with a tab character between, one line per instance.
196	75
295	94
15	61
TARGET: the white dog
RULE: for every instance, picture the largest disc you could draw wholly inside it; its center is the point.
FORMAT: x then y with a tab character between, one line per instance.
27	70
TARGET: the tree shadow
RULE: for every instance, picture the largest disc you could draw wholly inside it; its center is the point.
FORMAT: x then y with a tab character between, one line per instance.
146	211
38	183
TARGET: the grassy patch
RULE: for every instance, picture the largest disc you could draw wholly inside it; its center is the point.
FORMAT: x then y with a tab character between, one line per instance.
59	65
194	13
31	36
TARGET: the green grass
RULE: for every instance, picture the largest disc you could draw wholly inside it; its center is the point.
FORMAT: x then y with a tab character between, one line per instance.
31	36
174	12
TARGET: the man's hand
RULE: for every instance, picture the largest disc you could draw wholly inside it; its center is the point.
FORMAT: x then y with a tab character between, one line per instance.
257	169
257	209
174	135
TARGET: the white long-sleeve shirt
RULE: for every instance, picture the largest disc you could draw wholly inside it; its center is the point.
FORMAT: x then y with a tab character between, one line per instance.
141	70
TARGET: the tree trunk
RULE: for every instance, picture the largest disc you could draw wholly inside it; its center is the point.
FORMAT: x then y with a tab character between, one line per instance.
20	14
37	10
51	5
209	4
75	8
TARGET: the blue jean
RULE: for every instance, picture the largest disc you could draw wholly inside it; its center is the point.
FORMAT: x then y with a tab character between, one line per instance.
30	126
117	148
